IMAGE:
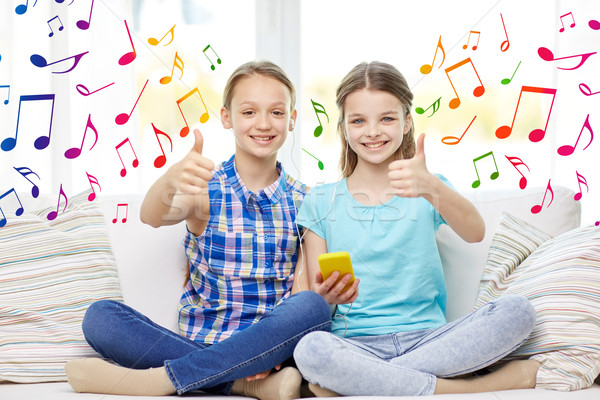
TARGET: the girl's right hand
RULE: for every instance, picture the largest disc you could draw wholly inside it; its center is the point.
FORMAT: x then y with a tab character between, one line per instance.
192	173
332	292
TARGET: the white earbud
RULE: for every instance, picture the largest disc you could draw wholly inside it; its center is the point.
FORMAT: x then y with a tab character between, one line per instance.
292	123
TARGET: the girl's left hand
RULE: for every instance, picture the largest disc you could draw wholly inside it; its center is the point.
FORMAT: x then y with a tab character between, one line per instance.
410	177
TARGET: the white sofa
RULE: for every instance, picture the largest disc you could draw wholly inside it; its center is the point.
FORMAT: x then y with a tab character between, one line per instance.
152	266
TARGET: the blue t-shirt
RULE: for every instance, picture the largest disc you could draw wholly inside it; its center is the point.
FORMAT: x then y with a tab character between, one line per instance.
394	254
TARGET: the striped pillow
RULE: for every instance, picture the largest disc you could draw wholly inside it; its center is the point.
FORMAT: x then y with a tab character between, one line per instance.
50	271
561	278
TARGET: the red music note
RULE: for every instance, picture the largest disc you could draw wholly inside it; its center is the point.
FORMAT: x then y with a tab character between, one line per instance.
585	89
547	55
595	25
128	57
580	180
135	162
212	65
75	152
452	140
477	92
567	150
162	159
176	63
538	207
435	105
41	62
506	42
18	211
537	134
126	211
122	119
203	118
154	42
562	23
469	39
92	179
83	24
319	109
494	174
426	68
517	161
35	190
53	214
84	91
41	142
60	28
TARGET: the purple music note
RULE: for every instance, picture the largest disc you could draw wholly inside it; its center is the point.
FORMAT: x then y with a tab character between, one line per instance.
41	62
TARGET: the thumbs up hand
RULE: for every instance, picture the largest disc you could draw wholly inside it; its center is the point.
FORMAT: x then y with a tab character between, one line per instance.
410	178
192	173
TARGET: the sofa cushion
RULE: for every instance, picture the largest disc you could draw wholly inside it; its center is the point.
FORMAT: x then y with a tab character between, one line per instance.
561	278
50	271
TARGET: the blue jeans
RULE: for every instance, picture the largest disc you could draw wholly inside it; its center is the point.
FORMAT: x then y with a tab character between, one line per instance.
127	337
407	363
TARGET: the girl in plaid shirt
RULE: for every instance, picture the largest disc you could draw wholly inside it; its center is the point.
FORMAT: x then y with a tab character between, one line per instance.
241	313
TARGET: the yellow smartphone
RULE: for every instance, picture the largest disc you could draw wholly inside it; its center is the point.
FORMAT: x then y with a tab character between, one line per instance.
338	261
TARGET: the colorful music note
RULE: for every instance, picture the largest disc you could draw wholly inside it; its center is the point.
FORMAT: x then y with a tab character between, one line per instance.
320	163
84	91
452	140
547	55
8	94
426	68
506	81
595	25
83	24
503	48
319	129
517	161
154	42
22	8
41	142
162	159
469	39
41	62
477	92
597	222
128	57
494	174
580	179
135	162
24	171
122	118
60	28
203	118
93	181
212	66
126	206
585	89
537	134
562	23
567	150
435	105
18	211
53	214
176	63
75	152
538	207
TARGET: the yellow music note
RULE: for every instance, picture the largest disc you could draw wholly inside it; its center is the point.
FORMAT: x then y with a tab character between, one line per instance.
176	63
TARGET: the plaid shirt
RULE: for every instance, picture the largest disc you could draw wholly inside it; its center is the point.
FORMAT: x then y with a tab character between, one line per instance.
242	265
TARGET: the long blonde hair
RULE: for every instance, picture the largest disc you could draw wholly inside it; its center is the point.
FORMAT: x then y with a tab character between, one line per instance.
375	75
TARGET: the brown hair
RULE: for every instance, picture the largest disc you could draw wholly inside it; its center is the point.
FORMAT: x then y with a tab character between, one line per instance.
375	76
265	68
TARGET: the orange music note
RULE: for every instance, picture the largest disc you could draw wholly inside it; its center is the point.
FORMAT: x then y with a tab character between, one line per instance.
41	62
53	214
452	140
18	211
435	105
515	161
562	23
477	92
126	206
469	39
426	68
135	162
506	44
121	119
128	57
41	142
24	171
580	179
537	134
203	118
319	129
75	152
538	207
153	42
93	181
567	150
212	65
162	159
547	55
176	63
494	174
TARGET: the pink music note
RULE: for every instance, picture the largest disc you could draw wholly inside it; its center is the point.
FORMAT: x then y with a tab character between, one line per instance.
595	25
75	152
537	134
469	39
176	63
41	142
18	211
83	24
153	42
60	28
538	207
426	68
126	206
93	181
128	57
547	55
580	179
135	162
84	91
203	118
53	214
162	159
503	48
452	140
585	89
562	23
567	150
212	65
122	119
41	62
24	171
477	92
515	161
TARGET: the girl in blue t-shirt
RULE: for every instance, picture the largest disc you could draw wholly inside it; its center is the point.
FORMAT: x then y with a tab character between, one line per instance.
392	337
